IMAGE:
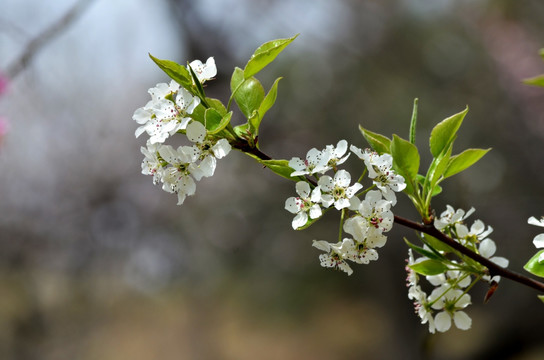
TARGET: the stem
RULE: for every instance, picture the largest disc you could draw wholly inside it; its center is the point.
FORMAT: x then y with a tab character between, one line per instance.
493	268
244	146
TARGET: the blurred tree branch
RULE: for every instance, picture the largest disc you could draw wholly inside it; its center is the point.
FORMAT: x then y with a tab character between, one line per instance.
36	44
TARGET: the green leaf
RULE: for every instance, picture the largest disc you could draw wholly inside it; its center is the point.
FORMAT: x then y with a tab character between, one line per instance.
217	105
199	87
198	114
443	134
413	123
248	93
270	99
463	161
437	189
541	297
265	54
176	71
242	131
405	160
436	244
427	253
437	168
429	267
379	143
215	122
254	123
535	267
536	81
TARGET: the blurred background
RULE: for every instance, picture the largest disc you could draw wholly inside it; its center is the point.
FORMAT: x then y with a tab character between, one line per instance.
98	263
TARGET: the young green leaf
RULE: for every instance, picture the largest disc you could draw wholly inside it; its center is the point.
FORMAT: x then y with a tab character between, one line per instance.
436	244
198	114
437	168
199	88
536	81
215	122
405	158
413	123
429	267
270	99
242	131
176	72
427	253
534	266
541	297
248	93
463	161
379	143
265	54
443	134
217	105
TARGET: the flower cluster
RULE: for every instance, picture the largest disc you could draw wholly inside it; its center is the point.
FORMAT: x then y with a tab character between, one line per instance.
447	300
169	112
370	217
449	297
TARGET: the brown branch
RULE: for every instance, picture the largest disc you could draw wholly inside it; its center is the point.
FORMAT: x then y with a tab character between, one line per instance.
429	229
42	39
493	268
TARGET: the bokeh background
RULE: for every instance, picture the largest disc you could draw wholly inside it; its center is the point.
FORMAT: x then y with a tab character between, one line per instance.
97	263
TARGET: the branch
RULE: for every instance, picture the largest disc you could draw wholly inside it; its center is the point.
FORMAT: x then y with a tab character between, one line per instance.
493	268
42	39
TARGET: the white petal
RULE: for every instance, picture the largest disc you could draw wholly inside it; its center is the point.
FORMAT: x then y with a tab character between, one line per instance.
141	115
534	221
487	248
462	320
442	321
341	204
221	148
297	164
327	200
140	130
538	241
352	190
300	220
315	211
354	149
502	262
342	178
303	189
321	245
326	183
196	132
292	205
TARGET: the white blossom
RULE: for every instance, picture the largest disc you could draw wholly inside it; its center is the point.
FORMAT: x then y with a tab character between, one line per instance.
162	116
204	72
152	163
336	254
380	170
205	149
450	217
177	177
316	162
337	190
451	301
303	205
336	155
